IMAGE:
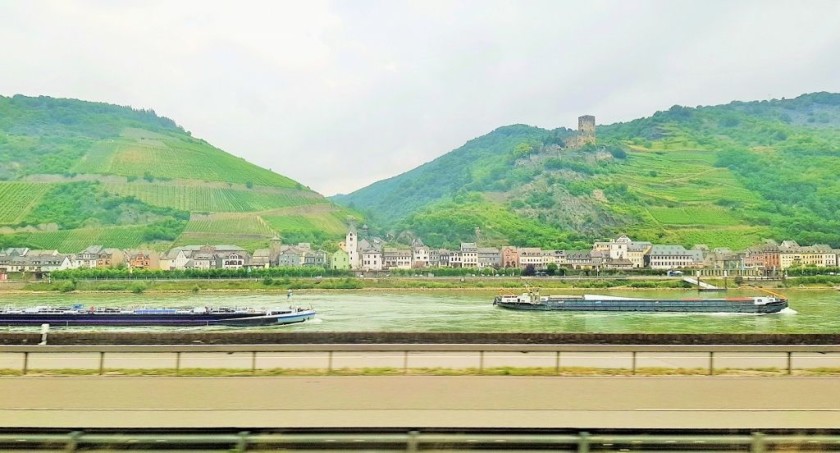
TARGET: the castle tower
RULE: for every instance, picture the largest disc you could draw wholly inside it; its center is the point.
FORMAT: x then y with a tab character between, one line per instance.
586	128
274	246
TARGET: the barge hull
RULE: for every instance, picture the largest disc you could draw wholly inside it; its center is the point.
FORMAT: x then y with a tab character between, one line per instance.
164	320
720	306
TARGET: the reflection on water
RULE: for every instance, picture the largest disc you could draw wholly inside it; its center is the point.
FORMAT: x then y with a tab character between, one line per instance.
812	311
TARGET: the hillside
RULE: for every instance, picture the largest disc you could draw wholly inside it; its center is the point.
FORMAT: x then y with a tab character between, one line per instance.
725	175
75	173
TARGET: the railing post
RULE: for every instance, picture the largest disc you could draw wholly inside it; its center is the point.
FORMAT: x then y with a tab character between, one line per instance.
72	442
178	363
329	362
633	371
481	362
790	362
413	441
242	443
405	362
757	445
557	363
25	362
711	363
253	362
583	442
101	363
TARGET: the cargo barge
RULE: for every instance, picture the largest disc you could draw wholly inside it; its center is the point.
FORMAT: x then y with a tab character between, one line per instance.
590	302
121	317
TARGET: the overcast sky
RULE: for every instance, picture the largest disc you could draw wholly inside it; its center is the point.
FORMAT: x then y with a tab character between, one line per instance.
340	94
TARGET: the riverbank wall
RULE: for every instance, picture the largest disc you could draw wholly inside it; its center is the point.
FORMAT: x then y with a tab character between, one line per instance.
59	337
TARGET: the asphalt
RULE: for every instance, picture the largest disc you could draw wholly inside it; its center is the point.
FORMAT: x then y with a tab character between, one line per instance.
695	402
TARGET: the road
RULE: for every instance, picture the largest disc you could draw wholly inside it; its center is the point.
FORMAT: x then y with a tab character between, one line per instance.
420	402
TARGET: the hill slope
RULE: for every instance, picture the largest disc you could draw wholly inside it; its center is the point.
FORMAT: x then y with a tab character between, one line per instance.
725	175
75	173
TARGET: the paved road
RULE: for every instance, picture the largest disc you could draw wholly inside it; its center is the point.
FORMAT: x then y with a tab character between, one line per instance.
421	402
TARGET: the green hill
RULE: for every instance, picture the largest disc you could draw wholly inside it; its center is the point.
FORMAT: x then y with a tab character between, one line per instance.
725	175
75	173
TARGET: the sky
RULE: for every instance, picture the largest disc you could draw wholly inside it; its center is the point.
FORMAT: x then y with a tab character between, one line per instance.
340	94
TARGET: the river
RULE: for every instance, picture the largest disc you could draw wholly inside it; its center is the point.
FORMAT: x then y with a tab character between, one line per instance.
811	311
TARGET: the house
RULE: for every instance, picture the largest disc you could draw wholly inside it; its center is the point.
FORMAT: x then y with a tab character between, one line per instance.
201	260
669	257
420	255
792	254
316	258
489	257
723	259
439	257
636	252
582	259
87	258
261	259
178	258
11	260
232	260
340	260
622	249
110	257
370	255
617	263
615	248
371	259
764	257
532	256
142	259
394	258
41	261
291	256
468	254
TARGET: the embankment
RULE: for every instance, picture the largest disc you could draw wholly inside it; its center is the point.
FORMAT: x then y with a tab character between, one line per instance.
268	337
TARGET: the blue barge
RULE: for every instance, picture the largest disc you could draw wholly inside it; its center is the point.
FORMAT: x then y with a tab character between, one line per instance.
105	317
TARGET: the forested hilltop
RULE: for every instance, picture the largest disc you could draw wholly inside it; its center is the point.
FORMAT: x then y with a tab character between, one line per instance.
727	175
76	173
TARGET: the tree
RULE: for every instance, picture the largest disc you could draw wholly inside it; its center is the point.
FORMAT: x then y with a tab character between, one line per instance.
529	270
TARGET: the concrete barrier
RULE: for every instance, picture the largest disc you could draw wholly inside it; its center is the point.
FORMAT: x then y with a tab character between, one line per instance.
409	357
60	336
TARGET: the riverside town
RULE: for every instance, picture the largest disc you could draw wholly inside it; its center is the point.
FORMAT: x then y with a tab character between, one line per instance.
372	255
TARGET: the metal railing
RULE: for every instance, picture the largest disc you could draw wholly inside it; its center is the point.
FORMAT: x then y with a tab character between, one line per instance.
411	441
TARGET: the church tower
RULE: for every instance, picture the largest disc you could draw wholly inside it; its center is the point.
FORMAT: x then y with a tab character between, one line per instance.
351	243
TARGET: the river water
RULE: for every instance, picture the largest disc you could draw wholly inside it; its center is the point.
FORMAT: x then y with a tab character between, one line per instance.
811	311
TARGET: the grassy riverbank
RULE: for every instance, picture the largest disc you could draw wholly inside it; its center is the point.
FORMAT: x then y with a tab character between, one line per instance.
513	284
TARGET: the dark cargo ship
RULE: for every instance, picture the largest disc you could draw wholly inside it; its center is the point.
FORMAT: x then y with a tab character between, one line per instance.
202	316
590	302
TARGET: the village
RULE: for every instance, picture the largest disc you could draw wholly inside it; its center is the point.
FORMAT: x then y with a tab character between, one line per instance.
362	254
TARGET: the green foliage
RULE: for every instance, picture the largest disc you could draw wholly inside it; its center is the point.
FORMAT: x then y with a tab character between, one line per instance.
18	199
145	274
215	199
80	204
47	135
138	288
153	173
448	223
480	163
726	175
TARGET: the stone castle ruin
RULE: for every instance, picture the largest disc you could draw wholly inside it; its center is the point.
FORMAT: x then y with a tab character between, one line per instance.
585	133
